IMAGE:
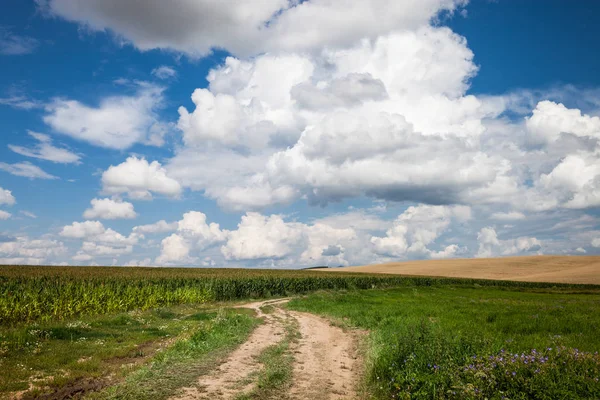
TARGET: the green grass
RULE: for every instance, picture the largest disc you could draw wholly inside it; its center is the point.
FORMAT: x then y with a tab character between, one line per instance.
181	364
473	342
85	352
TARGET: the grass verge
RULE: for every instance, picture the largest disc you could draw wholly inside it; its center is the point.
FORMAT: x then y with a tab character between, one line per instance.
181	364
473	342
60	359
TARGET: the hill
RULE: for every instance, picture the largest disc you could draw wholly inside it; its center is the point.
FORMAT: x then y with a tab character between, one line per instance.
560	269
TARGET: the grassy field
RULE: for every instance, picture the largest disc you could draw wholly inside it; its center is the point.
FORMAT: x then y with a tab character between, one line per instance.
560	269
30	294
453	342
141	333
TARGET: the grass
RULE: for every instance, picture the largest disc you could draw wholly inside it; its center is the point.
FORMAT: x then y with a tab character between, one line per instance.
181	364
473	342
89	353
278	367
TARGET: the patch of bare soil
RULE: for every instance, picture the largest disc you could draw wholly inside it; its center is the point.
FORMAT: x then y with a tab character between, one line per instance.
559	269
326	358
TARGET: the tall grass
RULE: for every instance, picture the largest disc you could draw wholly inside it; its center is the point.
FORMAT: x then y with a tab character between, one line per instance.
45	293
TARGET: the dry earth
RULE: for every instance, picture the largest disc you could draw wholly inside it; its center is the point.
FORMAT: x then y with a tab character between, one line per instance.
560	269
326	364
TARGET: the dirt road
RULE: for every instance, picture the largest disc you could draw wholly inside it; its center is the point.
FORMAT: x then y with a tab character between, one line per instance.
326	365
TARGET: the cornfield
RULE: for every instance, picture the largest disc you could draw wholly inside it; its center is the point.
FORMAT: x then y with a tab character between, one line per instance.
46	293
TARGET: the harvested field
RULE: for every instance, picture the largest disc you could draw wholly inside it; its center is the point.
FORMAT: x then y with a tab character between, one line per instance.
560	269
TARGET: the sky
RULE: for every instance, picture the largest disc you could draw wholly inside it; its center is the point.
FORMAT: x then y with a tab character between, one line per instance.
291	134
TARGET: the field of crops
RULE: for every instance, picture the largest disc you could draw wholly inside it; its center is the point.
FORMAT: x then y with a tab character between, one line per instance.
47	293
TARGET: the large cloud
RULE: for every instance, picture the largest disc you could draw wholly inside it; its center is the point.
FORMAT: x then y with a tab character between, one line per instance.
117	122
197	26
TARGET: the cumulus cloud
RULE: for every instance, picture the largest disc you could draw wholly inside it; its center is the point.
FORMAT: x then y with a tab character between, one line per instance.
94	231
118	122
193	233
6	197
491	246
259	236
23	250
27	170
98	241
45	150
139	179
418	227
549	120
5	215
110	209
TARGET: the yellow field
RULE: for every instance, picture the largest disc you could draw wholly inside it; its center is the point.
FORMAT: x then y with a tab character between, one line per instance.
564	269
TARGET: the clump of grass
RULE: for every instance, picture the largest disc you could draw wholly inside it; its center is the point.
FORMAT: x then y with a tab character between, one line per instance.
278	362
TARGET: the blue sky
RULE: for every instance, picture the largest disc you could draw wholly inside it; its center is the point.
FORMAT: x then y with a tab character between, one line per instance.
374	132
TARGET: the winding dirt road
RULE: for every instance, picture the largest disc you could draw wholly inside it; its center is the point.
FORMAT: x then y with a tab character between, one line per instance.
326	365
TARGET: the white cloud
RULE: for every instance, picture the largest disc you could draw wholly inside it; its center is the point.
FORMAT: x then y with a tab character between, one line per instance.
21	102
28	214
258	236
45	150
508	216
12	44
23	250
98	241
82	230
27	170
138	178
550	120
174	249
193	233
164	72
110	209
195	27
491	246
157	227
94	231
6	197
417	228
4	215
118	122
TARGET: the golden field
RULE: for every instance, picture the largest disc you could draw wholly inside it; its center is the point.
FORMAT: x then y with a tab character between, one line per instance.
560	269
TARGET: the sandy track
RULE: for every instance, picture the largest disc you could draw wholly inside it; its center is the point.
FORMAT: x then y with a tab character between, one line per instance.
325	358
326	361
561	269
